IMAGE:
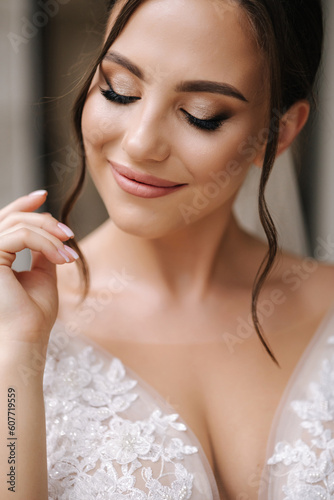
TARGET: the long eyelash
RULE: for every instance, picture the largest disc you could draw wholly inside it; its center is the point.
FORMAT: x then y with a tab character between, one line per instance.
210	125
112	96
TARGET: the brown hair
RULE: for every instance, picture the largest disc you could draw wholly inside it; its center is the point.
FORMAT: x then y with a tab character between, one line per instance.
290	34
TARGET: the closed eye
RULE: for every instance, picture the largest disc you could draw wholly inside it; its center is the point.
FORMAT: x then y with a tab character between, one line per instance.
112	96
209	125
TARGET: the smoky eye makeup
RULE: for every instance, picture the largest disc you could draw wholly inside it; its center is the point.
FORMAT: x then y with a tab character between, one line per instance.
209	124
119	97
113	96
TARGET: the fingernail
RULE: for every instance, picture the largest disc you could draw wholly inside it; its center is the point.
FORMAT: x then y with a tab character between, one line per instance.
63	254
71	252
66	230
39	192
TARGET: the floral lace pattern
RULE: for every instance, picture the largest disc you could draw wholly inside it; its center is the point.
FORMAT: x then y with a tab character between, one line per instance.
108	439
307	464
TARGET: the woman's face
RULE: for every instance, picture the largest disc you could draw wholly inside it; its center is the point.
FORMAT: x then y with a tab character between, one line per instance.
175	115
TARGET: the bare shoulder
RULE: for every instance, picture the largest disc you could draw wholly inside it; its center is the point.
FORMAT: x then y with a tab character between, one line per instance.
308	282
296	296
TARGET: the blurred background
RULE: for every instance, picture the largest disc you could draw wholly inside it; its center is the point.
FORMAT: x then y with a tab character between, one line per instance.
46	46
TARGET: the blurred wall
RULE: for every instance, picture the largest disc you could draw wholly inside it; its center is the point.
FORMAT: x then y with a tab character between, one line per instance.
20	117
71	41
20	85
323	215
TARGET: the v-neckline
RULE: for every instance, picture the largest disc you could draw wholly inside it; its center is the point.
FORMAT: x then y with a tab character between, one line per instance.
319	332
162	403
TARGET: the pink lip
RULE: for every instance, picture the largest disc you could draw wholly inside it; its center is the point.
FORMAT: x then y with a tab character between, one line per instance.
142	185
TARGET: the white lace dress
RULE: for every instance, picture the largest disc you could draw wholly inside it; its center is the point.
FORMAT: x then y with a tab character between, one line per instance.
300	463
110	436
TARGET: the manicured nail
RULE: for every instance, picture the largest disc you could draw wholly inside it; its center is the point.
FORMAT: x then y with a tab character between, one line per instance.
64	256
39	192
71	252
66	230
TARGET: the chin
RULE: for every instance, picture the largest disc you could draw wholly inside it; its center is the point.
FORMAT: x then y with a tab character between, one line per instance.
148	226
148	233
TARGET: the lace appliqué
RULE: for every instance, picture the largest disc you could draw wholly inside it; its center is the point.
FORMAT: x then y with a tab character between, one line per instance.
308	464
94	449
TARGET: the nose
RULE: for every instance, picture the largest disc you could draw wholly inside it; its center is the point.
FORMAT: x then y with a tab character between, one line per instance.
146	137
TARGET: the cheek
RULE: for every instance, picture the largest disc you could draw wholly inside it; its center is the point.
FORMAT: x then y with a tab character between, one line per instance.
218	166
98	126
229	154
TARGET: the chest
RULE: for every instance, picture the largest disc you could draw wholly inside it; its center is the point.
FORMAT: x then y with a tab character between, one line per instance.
227	393
229	410
241	404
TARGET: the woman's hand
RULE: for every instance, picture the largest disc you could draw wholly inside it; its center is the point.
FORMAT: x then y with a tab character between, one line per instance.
28	309
29	300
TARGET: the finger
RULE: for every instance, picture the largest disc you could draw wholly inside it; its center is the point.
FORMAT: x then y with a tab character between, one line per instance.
27	203
36	229
40	263
26	237
44	221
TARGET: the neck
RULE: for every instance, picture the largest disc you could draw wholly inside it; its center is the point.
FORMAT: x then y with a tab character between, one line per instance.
185	263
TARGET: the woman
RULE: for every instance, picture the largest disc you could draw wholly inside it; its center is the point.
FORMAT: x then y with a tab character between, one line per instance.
184	97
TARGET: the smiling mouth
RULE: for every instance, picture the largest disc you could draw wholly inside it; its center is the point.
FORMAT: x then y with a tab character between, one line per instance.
142	185
142	178
153	185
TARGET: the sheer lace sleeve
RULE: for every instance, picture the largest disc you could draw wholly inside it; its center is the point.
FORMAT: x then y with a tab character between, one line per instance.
300	463
112	437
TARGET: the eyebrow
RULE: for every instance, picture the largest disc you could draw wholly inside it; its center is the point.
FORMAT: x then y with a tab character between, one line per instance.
123	61
212	87
189	86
